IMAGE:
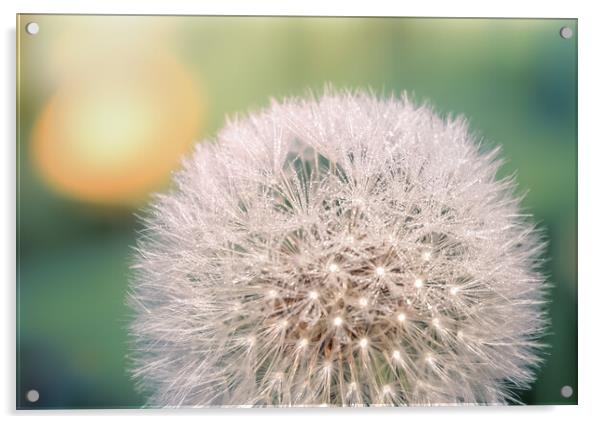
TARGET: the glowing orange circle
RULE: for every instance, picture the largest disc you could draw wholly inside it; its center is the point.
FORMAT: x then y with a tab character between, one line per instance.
111	137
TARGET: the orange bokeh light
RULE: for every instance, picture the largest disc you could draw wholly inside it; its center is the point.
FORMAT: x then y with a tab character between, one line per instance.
112	135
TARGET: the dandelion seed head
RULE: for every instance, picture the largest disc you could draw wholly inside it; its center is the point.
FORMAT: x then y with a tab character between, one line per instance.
347	197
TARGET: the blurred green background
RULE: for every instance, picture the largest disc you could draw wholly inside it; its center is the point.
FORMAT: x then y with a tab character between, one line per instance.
107	105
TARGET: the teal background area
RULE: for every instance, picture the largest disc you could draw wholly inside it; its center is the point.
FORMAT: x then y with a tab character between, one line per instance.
515	79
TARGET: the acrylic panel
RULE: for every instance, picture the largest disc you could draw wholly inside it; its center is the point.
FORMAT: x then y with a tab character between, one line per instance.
295	211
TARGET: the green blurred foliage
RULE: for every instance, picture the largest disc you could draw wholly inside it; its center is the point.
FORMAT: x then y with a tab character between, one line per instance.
515	79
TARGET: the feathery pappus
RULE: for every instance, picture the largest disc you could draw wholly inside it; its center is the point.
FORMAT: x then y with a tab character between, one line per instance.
343	249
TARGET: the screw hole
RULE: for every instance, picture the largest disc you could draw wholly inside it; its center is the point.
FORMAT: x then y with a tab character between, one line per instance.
32	28
33	396
566	391
566	33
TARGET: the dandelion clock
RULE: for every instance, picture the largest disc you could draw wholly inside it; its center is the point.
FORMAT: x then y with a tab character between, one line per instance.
343	250
361	213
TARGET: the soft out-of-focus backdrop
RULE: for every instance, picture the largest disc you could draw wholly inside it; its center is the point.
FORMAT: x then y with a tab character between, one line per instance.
107	105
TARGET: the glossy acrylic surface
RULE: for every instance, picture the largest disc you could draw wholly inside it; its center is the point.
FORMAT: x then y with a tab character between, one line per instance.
108	105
